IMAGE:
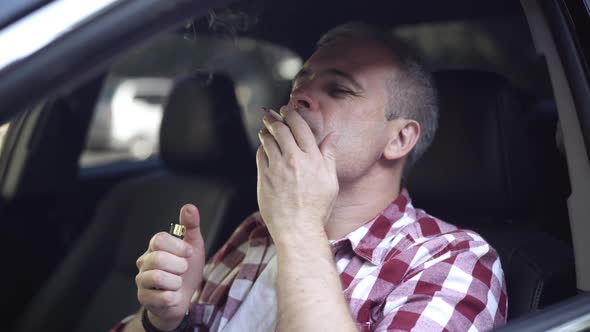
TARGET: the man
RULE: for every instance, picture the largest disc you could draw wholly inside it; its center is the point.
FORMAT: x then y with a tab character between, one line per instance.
337	245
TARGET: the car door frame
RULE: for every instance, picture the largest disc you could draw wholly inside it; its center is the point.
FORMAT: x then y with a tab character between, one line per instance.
556	38
137	20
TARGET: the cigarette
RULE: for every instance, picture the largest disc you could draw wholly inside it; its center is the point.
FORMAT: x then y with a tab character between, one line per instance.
274	114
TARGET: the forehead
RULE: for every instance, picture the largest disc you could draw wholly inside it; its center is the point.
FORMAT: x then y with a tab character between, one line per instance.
361	58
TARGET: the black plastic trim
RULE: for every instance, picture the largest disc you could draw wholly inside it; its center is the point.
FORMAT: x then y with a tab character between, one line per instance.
12	11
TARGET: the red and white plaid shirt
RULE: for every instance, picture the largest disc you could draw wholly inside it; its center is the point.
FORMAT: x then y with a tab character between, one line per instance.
403	270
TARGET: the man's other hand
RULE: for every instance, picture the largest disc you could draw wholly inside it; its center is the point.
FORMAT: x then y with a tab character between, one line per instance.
170	271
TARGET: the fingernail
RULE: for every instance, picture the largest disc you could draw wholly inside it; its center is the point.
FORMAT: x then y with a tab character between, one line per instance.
188	211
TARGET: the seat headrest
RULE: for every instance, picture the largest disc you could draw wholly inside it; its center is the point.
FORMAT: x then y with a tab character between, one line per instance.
479	158
202	128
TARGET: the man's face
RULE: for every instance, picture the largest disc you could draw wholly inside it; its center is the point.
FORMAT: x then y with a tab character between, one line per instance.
342	88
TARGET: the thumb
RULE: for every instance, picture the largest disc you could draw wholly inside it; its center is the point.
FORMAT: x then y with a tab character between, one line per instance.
190	218
328	149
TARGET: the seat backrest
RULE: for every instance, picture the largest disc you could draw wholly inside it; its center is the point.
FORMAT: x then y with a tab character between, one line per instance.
208	162
478	161
479	174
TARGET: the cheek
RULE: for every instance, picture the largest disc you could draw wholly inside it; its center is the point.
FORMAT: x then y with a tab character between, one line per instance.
358	149
359	128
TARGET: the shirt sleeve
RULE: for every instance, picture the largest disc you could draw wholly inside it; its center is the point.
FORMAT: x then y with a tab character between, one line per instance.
459	289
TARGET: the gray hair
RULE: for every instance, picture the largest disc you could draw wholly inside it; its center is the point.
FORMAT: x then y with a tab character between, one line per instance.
412	94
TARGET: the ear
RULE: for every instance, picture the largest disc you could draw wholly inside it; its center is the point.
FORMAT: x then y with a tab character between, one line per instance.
404	136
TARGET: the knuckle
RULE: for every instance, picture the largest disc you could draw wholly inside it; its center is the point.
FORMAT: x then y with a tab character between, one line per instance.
292	161
157	241
139	262
152	242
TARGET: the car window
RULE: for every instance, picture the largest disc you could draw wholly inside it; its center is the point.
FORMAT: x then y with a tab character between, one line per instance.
129	110
502	46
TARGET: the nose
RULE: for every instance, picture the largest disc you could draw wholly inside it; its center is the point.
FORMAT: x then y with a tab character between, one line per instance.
300	102
301	97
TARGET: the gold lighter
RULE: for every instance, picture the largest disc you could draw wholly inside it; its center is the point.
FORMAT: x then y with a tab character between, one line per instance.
177	230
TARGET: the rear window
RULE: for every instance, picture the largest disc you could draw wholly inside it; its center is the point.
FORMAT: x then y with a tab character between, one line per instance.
127	115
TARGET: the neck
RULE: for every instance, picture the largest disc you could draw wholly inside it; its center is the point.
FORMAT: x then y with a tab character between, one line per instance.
360	202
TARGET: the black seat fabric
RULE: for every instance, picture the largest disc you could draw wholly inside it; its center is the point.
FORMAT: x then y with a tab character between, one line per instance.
479	158
479	174
208	162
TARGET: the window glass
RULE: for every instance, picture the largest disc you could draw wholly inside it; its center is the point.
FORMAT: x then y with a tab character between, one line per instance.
129	110
503	46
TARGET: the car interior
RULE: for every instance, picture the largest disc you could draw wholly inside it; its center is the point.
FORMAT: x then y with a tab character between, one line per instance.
497	165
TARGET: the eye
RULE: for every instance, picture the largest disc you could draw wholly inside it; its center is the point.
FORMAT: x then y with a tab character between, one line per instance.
339	91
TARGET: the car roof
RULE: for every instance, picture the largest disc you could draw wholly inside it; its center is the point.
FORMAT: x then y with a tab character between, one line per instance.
296	24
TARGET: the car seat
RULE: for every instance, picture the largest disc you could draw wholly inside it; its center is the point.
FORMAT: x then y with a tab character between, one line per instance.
207	161
480	174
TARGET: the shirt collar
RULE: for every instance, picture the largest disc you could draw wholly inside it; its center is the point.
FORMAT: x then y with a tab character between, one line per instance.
373	240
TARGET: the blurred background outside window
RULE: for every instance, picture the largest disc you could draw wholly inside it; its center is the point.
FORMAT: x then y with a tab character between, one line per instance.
128	113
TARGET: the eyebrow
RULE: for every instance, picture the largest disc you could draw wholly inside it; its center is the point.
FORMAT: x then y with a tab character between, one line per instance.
334	72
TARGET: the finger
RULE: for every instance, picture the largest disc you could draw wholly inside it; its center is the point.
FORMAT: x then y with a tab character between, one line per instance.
161	260
140	260
158	279
153	298
272	113
281	133
269	145
261	159
163	241
191	219
328	150
300	130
